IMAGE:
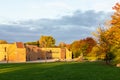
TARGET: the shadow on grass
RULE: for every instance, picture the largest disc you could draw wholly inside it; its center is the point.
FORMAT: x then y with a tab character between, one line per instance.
59	71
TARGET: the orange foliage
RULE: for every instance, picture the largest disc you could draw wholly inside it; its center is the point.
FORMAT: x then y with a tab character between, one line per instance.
109	39
83	46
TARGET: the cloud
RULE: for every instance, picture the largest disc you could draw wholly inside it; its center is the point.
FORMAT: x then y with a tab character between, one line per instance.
67	28
58	5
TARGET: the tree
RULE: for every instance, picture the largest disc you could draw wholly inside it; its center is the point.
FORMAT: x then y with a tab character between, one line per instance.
36	43
104	43
62	45
3	42
75	48
47	41
109	38
114	33
82	47
90	42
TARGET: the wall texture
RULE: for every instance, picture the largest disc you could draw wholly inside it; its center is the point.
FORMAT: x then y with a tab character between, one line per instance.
36	53
13	52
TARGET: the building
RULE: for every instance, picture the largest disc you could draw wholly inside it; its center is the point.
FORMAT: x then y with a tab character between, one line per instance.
36	53
33	53
15	52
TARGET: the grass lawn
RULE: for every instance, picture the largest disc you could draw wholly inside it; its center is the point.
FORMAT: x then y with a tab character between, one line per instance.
59	71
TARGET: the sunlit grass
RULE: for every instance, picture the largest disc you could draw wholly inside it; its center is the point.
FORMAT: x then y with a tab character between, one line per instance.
59	71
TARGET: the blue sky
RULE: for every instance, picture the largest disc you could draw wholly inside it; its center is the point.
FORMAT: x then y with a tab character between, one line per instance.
65	20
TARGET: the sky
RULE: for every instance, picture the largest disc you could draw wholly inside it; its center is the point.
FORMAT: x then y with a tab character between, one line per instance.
65	20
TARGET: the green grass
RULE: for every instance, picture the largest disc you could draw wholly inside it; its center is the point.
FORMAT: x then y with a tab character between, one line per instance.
59	71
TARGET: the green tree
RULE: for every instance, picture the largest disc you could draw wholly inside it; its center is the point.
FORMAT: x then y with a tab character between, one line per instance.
47	41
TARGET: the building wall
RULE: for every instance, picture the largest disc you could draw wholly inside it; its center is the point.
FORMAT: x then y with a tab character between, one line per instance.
33	53
11	53
68	54
4	51
22	55
18	53
63	53
59	53
36	53
55	52
2	56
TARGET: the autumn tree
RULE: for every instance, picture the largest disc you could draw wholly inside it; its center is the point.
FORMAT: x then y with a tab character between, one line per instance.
90	42
82	47
114	33
36	43
75	48
104	43
62	45
3	42
109	37
47	41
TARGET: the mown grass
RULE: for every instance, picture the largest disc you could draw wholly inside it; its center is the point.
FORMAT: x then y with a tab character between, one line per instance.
59	71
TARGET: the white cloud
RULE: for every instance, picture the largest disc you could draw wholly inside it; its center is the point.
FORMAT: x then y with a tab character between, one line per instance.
60	5
32	28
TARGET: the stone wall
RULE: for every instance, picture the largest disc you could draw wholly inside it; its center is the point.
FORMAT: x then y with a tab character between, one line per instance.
16	52
12	52
36	53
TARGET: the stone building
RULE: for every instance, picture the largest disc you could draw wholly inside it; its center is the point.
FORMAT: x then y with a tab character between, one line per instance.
15	52
36	53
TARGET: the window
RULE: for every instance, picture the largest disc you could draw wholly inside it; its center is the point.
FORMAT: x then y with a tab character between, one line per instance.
5	49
